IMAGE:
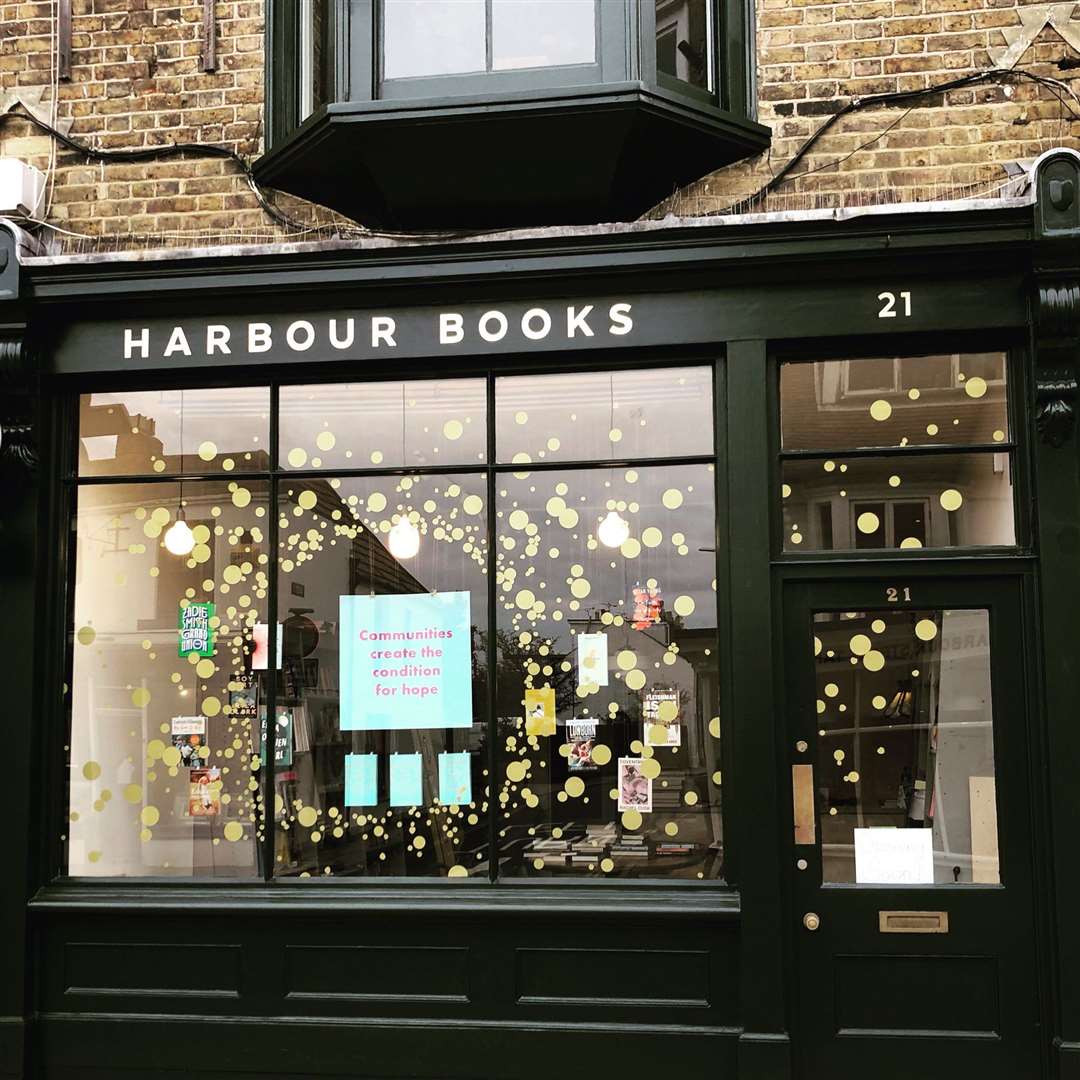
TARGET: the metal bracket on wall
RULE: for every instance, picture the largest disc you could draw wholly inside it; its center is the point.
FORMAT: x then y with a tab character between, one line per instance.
63	39
1057	294
208	59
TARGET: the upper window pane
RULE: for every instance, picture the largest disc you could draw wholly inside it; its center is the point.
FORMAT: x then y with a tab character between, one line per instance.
526	34
953	399
433	37
604	415
684	41
384	424
174	431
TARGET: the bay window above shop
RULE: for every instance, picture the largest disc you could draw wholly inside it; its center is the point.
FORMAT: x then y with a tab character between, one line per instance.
479	113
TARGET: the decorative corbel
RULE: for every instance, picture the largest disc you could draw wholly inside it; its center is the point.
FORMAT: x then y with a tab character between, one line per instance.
18	384
1057	299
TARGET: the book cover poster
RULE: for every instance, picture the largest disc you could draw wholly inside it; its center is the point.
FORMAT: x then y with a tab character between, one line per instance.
406	784
196	629
204	793
283	737
361	779
406	661
455	779
540	711
635	788
592	659
188	735
581	738
660	715
245	701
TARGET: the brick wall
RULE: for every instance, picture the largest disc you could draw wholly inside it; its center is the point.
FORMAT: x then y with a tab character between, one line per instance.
136	82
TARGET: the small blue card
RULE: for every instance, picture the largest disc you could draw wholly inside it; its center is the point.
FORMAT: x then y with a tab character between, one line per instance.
361	779
406	786
455	779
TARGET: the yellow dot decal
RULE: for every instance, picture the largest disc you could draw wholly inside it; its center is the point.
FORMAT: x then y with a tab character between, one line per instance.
241	497
714	727
881	410
873	660
140	697
297	457
652	537
376	502
999	435
233	831
860	644
831	689
472	504
91	770
86	635
626	659
931	429
325	441
149	816
868	522
306	500
525	599
926	630
684	606
607	865
515	771
878	702
580	588
672	498
878	626
459	871
894	480
574	787
631	819
635	679
911	542
671	829
205	668
133	793
975	387
307	816
207	451
690	798
951	499
211	706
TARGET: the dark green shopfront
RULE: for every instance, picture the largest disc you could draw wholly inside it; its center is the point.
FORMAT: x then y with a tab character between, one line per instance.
667	635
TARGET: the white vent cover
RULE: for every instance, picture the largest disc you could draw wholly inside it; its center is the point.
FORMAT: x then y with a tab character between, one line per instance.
21	186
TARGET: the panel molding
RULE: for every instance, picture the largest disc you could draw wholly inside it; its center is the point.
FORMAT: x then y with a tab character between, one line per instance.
222	959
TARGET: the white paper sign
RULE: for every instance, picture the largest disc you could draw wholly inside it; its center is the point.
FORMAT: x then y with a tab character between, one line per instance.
894	856
188	725
592	659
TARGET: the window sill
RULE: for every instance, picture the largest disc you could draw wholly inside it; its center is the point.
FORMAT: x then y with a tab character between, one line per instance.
688	900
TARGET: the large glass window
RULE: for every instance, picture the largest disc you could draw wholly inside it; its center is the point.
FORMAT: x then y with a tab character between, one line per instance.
375	542
445	37
685	41
906	452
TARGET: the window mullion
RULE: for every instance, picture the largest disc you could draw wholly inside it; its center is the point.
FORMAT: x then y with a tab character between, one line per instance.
270	742
492	638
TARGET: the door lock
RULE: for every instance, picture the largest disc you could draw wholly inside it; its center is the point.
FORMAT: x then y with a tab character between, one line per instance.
811	920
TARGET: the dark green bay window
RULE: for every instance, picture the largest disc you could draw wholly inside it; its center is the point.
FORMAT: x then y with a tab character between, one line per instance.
497	112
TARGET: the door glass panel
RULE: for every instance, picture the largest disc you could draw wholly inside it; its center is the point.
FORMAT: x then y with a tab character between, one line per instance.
905	779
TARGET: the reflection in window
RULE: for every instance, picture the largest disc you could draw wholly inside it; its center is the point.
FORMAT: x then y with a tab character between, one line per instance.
314	26
163	748
914	501
604	415
836	499
608	737
684	41
371	776
445	37
142	432
905	772
383	424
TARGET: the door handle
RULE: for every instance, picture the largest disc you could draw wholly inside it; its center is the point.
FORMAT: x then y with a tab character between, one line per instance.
811	920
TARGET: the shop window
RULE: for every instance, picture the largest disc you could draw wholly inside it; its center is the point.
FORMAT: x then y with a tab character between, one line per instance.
896	453
369	542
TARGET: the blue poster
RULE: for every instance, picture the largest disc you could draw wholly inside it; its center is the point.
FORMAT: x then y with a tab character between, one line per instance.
406	662
361	779
455	779
406	787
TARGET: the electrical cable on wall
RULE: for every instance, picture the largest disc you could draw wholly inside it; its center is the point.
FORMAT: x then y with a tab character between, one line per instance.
894	98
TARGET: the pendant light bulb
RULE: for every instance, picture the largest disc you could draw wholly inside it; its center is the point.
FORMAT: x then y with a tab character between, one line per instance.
613	530
404	539
180	540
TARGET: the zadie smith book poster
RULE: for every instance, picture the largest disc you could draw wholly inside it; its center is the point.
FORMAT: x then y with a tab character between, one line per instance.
406	662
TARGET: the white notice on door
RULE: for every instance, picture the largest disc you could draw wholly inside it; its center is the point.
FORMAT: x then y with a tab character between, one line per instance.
894	856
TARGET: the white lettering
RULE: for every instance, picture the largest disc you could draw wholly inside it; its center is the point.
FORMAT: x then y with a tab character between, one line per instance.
293	338
621	323
177	343
259	339
545	324
217	339
500	321
575	320
382	330
350	329
451	329
142	344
